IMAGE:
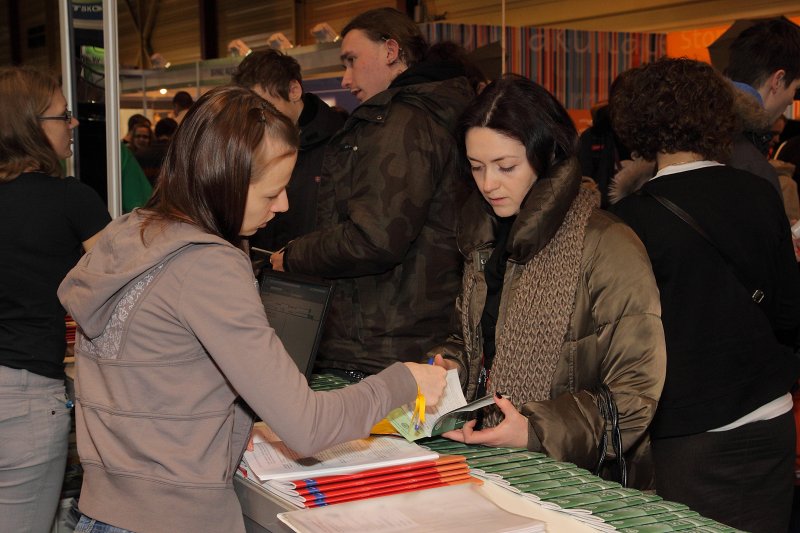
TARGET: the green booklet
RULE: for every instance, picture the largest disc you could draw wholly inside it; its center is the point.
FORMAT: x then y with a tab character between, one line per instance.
450	413
510	458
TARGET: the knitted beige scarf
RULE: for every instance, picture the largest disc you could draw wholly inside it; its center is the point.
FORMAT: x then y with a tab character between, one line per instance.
537	318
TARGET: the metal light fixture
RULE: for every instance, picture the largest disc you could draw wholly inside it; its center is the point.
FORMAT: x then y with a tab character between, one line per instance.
323	33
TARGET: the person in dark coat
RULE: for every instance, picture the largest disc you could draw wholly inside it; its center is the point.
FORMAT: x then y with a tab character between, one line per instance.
276	78
765	70
723	435
390	191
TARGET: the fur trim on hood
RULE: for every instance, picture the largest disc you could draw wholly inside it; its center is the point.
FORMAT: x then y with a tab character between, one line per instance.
751	117
750	113
633	174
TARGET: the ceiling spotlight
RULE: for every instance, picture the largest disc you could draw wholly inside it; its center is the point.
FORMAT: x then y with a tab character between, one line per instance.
323	33
159	61
279	41
162	91
238	47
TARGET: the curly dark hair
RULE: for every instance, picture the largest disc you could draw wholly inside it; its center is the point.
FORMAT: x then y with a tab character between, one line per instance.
673	105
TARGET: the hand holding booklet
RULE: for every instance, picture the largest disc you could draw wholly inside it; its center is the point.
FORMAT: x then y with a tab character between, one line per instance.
450	413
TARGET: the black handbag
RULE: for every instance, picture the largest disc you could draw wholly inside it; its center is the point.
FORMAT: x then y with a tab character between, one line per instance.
608	410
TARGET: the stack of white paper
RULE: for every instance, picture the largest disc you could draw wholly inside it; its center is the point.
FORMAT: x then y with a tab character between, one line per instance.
439	510
274	460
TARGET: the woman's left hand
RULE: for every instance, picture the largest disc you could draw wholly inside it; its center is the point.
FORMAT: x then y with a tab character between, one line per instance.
512	431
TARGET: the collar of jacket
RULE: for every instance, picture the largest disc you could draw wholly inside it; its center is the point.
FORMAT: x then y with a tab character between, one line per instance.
427	71
541	214
317	122
436	98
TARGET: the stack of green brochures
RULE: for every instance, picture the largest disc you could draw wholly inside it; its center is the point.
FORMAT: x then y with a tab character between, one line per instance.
564	487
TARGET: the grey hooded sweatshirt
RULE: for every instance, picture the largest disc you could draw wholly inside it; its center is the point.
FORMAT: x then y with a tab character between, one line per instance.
172	336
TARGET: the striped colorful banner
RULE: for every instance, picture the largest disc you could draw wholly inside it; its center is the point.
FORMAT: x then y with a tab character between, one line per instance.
576	66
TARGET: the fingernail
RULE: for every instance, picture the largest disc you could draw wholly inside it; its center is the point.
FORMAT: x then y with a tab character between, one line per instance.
499	394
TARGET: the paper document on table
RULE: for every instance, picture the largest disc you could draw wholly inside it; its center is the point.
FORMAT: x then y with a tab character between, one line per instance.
450	413
422	510
274	460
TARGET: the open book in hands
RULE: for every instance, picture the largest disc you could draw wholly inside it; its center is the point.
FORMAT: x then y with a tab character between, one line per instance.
450	413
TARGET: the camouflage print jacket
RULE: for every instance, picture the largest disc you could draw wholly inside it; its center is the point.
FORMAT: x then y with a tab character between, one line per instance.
386	227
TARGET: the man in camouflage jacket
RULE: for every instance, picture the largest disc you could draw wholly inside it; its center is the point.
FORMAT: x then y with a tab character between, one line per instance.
386	219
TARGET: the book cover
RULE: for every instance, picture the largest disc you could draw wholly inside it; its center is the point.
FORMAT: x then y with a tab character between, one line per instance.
375	491
401	477
441	462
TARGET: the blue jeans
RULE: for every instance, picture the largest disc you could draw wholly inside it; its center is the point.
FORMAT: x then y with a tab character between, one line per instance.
34	426
90	525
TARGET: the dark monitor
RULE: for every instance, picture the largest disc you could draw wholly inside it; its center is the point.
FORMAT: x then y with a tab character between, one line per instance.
296	307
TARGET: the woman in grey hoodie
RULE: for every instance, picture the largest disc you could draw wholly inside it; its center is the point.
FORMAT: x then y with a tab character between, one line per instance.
173	338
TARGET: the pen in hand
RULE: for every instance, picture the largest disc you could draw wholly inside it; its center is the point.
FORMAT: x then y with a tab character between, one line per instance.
263	251
418	417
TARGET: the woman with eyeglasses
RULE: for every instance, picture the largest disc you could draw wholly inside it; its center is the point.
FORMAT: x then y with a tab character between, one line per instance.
46	222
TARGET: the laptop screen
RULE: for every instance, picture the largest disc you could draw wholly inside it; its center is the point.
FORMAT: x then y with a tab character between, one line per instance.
296	307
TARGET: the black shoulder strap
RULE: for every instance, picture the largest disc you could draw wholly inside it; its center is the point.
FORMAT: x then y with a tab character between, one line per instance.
758	294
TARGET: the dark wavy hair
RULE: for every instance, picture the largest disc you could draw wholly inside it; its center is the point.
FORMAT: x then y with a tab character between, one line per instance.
206	172
388	23
271	70
523	110
25	93
673	105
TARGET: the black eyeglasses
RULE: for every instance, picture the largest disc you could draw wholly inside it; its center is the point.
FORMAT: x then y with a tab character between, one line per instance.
66	117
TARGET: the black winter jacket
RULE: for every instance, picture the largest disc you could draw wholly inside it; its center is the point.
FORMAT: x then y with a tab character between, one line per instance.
318	123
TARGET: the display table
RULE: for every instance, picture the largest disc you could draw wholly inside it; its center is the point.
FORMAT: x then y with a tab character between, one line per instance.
570	499
632	511
259	507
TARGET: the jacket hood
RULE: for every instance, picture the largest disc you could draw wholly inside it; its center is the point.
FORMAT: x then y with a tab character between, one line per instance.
751	114
439	99
92	289
541	214
428	71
